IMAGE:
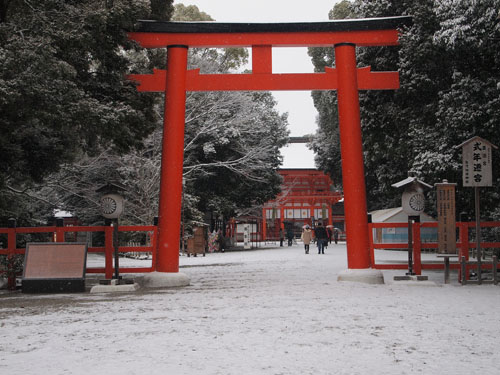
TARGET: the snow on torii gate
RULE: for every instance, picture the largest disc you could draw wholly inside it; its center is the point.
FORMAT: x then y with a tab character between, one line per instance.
346	78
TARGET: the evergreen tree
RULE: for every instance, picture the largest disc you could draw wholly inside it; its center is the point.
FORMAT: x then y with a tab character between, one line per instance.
391	118
470	105
326	143
63	88
447	63
231	152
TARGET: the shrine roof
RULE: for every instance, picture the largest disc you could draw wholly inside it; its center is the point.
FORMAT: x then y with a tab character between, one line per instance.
365	24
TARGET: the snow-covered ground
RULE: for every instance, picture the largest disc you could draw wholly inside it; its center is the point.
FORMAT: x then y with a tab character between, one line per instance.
268	311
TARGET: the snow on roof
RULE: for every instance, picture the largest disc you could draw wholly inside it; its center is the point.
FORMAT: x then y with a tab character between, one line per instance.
410	180
380	216
476	138
60	213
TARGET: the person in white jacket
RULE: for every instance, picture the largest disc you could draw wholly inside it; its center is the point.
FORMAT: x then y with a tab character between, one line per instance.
306	238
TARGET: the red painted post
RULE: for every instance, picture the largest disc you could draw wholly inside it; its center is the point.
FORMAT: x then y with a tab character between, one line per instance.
464	245
264	224
262	57
352	158
11	253
154	245
370	242
108	251
59	232
169	215
417	248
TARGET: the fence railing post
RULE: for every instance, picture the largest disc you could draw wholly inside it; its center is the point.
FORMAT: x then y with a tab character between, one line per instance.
464	244
154	243
59	233
108	249
370	242
417	246
11	252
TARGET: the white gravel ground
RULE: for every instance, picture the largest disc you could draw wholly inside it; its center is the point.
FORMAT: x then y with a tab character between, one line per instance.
269	311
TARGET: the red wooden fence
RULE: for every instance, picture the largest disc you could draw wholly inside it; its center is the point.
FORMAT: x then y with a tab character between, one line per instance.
463	245
58	235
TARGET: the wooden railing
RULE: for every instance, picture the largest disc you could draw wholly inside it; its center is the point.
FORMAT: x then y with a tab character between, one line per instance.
464	246
57	234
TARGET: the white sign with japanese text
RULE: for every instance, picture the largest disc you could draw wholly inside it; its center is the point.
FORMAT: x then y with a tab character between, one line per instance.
476	158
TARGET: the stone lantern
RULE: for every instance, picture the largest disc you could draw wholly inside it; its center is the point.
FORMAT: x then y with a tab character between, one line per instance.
112	204
413	198
413	203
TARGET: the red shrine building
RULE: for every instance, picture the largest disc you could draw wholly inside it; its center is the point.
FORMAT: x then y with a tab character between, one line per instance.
307	196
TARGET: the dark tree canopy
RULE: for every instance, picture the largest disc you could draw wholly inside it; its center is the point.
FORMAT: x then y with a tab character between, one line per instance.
449	92
63	87
107	131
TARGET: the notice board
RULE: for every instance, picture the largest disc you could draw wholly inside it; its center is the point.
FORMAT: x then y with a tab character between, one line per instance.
447	239
54	267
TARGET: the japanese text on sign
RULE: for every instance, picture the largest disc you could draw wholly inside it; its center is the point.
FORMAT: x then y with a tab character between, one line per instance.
446	218
476	157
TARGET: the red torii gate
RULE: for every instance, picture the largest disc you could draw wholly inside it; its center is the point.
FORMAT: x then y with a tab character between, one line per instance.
346	78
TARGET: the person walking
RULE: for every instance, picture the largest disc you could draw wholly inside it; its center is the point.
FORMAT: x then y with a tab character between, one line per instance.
336	235
282	237
321	237
289	235
306	238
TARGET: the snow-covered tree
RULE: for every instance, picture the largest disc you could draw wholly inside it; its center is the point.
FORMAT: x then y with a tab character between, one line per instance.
231	151
447	62
63	92
470	105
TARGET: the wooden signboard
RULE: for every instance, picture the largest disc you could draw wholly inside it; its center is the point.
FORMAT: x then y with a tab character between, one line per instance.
197	243
54	267
477	162
447	240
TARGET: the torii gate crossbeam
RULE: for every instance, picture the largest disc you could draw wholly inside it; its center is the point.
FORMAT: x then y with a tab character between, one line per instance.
346	78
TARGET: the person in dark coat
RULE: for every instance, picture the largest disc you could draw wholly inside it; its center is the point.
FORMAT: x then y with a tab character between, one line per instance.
321	238
289	235
336	235
282	237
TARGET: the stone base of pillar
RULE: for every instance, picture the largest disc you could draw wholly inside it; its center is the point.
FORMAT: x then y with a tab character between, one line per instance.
367	276
126	288
165	280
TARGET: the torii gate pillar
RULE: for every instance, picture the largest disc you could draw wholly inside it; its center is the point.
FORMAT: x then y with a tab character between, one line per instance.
166	260
172	160
351	148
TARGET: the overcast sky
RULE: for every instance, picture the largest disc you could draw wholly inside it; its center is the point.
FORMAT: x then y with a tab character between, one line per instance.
298	104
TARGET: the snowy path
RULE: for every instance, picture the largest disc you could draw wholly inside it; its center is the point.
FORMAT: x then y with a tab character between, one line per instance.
273	311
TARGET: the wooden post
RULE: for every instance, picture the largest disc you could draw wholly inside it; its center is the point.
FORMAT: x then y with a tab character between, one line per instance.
446	270
264	225
464	242
59	233
495	273
11	252
410	246
478	235
169	215
463	268
352	158
370	240
108	249
417	246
